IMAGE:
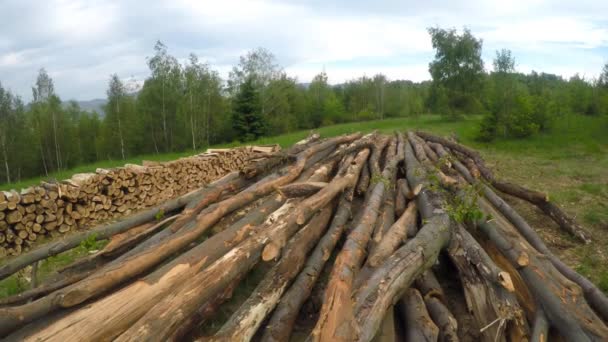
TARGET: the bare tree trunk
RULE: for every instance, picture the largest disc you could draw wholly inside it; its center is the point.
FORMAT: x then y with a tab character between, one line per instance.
122	142
8	171
192	123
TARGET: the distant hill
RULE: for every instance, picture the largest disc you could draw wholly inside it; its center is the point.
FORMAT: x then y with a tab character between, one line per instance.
91	105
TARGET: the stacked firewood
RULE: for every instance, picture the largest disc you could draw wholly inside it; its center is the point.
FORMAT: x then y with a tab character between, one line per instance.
352	238
87	199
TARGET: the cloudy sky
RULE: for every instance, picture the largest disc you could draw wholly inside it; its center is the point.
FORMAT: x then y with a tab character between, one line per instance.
81	43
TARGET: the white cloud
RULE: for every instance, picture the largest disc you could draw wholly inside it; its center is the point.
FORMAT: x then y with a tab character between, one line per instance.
83	42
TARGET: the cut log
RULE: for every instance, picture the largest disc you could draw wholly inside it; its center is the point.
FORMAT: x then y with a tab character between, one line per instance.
303	189
595	297
418	325
395	236
435	301
336	318
283	319
243	324
560	299
540	331
386	217
363	180
109	317
539	199
395	275
100	233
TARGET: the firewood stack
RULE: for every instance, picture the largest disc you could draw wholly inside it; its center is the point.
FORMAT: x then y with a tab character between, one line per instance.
84	200
352	238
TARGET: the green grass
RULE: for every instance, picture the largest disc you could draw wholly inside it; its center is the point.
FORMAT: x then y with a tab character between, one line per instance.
466	128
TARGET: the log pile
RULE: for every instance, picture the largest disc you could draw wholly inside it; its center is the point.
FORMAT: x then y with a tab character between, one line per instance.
53	209
352	238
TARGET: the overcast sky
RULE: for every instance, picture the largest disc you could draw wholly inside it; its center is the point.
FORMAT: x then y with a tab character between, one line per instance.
81	43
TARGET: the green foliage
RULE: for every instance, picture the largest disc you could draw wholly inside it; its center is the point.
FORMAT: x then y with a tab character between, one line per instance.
185	107
91	243
247	119
456	70
159	215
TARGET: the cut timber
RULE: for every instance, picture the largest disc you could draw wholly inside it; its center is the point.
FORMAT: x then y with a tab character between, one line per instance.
396	274
281	324
103	231
303	189
337	315
594	296
184	300
386	217
243	324
109	317
418	325
435	301
539	199
118	272
395	236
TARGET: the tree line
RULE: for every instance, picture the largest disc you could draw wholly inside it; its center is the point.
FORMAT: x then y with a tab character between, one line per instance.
188	106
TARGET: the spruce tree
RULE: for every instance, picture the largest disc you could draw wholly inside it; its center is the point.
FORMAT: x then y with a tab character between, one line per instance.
247	118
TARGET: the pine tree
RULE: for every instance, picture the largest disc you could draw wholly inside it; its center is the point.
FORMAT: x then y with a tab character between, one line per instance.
247	119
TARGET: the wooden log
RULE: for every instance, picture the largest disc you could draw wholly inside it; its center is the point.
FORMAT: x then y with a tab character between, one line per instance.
206	219
283	319
337	315
100	232
594	296
96	322
443	318
418	325
386	217
494	308
319	200
302	189
121	269
397	273
395	236
364	180
203	286
400	197
537	198
386	333
435	301
560	299
389	281
540	331
243	324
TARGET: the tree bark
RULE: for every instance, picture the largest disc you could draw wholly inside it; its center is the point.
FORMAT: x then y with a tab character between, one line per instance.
539	199
281	324
109	317
303	189
418	325
337	316
105	231
395	236
593	295
243	324
395	275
